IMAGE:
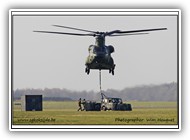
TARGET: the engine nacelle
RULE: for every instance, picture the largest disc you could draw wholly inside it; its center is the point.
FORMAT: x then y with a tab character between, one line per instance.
111	48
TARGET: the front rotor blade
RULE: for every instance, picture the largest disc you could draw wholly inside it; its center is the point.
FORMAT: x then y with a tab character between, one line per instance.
135	31
75	28
64	33
129	34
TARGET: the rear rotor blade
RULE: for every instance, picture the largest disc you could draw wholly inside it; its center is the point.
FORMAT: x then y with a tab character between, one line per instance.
64	33
74	28
134	31
129	34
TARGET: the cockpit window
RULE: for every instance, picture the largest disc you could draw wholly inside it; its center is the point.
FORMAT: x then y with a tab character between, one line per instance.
99	50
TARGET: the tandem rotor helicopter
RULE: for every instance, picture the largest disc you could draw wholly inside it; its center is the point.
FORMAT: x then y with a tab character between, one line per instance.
100	54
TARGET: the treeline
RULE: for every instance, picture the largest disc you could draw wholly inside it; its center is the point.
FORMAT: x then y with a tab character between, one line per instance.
163	92
55	94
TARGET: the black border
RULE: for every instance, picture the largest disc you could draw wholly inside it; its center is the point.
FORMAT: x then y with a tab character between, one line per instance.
178	31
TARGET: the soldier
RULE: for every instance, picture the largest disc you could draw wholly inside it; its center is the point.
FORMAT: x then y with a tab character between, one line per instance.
84	103
79	104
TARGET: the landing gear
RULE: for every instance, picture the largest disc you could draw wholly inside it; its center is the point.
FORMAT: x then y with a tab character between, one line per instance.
112	70
87	70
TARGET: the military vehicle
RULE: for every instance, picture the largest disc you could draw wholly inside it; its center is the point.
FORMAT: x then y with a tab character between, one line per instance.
100	54
109	103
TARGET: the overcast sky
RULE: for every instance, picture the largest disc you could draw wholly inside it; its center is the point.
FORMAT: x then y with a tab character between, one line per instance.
58	61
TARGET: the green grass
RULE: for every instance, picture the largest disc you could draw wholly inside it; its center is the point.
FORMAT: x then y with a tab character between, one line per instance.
66	113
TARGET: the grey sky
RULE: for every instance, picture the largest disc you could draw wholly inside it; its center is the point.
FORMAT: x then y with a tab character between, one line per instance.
58	61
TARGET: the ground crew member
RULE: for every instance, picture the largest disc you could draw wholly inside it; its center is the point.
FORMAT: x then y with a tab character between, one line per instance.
79	104
84	103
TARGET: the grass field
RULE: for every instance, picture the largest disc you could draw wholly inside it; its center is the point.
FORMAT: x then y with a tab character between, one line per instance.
66	113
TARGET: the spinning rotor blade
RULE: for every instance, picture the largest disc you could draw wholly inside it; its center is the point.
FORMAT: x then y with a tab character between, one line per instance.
75	28
129	34
64	33
134	31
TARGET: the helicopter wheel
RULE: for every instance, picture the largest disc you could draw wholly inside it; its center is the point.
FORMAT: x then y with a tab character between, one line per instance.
87	70
112	71
109	70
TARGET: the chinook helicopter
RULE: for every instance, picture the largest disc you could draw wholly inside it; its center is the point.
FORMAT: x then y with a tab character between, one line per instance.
100	54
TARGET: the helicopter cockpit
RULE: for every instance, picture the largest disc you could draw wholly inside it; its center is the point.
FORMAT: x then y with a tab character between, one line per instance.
100	50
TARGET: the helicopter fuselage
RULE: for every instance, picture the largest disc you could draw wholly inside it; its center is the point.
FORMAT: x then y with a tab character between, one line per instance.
100	56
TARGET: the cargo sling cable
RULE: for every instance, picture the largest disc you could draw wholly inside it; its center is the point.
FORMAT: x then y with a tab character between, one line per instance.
100	81
100	84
